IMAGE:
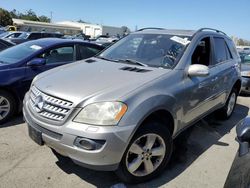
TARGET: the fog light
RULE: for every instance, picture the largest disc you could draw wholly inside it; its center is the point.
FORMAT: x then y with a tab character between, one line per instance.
88	144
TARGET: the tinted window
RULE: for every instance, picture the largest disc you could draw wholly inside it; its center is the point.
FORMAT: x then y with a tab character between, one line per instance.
232	48
61	54
87	51
220	50
2	46
34	36
201	53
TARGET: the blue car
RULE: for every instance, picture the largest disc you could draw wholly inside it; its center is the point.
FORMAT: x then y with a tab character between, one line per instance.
20	64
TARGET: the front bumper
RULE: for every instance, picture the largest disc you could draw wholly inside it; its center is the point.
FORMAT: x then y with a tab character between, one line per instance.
62	139
245	87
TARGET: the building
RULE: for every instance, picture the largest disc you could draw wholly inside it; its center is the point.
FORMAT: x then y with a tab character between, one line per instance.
94	30
27	25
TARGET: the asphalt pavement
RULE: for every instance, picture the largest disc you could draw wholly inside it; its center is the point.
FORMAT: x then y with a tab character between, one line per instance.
202	157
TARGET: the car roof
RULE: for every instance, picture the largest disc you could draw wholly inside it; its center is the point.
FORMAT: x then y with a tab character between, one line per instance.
56	41
180	32
168	31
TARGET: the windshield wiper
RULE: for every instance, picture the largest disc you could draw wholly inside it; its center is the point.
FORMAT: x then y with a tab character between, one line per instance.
131	61
104	58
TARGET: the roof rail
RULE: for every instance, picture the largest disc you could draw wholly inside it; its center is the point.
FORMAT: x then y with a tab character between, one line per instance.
146	28
216	30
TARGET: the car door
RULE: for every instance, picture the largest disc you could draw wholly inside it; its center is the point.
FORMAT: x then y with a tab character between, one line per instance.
201	92
59	56
53	57
227	65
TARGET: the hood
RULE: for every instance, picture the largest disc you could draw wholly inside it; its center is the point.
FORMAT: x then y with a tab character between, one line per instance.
101	79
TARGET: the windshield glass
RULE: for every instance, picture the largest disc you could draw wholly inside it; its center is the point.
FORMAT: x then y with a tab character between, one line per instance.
19	52
24	35
155	50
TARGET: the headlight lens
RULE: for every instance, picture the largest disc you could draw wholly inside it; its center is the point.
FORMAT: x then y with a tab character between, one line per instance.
103	113
245	73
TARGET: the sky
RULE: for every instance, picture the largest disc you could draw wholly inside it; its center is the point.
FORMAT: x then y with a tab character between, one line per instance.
230	16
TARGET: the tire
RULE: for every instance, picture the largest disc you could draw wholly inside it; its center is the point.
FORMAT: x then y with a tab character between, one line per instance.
146	157
227	111
8	106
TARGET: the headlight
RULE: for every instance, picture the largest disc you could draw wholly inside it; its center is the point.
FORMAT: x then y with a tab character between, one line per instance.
103	113
245	73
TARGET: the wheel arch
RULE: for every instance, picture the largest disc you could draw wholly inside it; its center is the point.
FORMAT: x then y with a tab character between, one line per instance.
13	93
237	86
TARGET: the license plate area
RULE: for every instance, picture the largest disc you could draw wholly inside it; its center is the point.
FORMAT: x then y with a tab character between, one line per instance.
35	135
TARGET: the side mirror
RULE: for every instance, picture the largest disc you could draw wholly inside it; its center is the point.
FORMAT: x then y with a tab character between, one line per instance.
243	135
36	62
198	70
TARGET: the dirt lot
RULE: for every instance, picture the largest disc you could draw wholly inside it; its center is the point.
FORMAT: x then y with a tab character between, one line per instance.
202	158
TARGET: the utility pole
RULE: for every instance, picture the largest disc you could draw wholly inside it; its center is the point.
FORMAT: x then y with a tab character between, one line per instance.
51	14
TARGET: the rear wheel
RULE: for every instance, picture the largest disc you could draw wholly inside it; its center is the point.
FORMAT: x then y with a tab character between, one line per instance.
227	110
7	106
147	154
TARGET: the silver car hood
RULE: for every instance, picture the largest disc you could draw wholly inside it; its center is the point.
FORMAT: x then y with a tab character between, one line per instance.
100	80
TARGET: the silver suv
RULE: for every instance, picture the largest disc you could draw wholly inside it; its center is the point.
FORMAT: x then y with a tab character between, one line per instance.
121	110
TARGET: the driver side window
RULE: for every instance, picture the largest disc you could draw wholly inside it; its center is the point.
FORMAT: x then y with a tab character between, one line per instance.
202	52
57	55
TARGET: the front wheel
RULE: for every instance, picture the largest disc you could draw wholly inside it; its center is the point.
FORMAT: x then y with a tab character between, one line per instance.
7	106
147	154
227	110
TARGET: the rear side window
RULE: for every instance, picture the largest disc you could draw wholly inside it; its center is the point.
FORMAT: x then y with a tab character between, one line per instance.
87	51
2	46
232	48
221	50
34	36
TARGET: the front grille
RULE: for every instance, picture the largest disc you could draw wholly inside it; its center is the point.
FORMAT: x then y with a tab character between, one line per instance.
50	107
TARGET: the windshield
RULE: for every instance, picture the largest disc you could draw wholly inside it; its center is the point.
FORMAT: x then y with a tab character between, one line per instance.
19	52
24	35
155	50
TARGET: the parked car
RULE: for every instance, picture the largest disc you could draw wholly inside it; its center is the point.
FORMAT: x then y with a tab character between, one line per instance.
104	44
21	63
9	35
33	36
239	175
122	109
5	44
245	73
106	38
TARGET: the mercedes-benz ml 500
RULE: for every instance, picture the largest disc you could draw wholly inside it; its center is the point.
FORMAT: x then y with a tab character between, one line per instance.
122	109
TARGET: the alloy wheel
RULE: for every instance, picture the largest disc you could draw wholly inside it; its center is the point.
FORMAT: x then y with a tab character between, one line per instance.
4	107
145	154
231	104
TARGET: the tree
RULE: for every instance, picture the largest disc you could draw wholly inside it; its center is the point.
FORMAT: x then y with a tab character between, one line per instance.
125	30
81	21
44	19
5	18
14	13
29	15
241	42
